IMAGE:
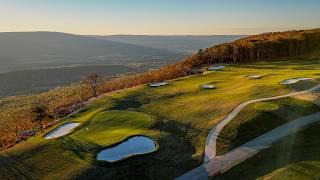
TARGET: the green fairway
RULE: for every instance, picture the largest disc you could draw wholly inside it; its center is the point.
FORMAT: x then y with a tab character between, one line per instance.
259	118
177	116
295	157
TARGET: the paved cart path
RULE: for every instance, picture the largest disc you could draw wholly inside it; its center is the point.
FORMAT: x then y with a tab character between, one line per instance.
214	165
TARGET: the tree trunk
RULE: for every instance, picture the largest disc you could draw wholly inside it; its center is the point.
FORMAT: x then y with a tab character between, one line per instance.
41	126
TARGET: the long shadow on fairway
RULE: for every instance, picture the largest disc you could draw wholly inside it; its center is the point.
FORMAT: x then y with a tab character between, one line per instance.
11	167
137	99
295	148
173	158
176	145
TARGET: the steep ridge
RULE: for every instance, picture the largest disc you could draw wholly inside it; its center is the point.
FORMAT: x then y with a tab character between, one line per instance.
25	50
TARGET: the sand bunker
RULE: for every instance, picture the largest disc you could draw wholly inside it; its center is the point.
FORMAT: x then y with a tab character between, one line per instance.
254	76
214	68
61	130
207	86
132	146
294	80
157	84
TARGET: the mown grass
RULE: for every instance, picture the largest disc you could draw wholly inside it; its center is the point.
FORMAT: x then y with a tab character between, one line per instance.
108	127
259	118
297	156
178	116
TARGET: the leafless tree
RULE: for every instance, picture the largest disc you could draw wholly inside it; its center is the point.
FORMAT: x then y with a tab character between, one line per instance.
92	81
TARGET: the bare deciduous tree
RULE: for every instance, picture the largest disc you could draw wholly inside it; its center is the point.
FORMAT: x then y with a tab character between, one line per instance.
82	92
92	81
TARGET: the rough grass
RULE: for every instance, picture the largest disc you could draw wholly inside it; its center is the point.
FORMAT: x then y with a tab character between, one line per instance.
178	116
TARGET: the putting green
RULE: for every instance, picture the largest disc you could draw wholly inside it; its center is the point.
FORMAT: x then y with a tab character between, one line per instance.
266	106
108	127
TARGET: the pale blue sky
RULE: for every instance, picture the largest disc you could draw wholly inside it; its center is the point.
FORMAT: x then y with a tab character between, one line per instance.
158	16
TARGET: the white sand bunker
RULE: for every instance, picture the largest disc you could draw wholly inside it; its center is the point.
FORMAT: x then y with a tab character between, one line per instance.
61	130
254	76
214	68
208	86
157	84
294	80
132	146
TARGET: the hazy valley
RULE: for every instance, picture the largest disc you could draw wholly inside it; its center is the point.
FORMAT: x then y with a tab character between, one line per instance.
34	62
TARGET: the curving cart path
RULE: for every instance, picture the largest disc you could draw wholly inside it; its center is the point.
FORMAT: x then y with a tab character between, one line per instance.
211	141
215	165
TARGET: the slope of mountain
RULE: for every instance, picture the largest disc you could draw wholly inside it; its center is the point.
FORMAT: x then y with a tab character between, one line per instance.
179	115
183	44
24	50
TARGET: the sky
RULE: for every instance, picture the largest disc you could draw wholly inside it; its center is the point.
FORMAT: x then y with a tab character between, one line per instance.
158	17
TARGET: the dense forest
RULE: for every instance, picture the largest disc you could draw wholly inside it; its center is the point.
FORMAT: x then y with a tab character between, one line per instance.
16	114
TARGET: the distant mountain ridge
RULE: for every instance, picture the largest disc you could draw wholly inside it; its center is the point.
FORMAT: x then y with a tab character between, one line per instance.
20	50
187	44
41	49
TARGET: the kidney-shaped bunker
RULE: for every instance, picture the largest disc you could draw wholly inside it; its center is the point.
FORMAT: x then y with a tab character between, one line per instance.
132	146
61	130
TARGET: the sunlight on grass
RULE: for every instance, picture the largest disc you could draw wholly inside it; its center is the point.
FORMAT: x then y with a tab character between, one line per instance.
178	116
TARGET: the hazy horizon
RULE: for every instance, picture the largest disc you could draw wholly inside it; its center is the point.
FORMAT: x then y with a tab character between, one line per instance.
151	17
129	34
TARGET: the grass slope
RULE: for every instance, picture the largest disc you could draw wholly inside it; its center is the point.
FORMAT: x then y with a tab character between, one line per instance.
295	157
259	118
177	116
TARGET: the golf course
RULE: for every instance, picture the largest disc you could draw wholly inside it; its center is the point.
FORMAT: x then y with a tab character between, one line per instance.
221	112
159	90
177	117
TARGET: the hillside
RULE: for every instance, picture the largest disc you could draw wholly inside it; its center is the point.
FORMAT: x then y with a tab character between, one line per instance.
177	116
180	133
258	48
185	67
25	50
294	157
181	44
